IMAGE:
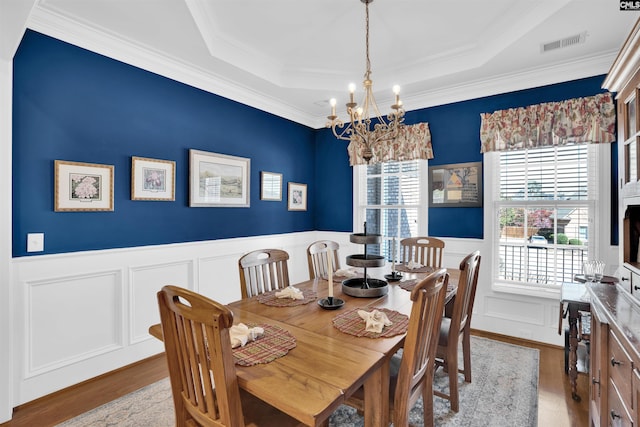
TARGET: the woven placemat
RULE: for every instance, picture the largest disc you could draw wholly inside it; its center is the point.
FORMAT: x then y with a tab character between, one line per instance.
340	279
408	285
351	323
404	268
275	343
270	298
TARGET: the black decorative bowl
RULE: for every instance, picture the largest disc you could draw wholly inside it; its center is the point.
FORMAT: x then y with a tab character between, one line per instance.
357	287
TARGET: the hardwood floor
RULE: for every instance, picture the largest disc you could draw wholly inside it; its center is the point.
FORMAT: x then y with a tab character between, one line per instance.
556	408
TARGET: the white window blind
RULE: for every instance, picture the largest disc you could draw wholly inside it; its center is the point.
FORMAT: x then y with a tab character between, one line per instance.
544	200
391	202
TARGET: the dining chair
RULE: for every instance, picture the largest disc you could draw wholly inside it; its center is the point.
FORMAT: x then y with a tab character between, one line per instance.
456	323
424	250
202	370
317	257
263	270
414	378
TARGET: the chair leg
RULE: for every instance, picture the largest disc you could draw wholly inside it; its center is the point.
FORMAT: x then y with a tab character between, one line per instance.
452	357
401	419
427	402
466	354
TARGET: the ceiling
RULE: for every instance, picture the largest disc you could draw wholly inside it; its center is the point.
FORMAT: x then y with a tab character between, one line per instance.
288	57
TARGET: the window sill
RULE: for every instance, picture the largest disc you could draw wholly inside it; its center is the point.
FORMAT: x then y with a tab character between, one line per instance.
530	291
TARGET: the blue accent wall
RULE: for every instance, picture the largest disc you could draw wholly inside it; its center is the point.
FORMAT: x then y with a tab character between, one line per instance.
72	104
334	181
455	133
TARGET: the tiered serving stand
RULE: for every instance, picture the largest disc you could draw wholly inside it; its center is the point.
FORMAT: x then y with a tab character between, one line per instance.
365	287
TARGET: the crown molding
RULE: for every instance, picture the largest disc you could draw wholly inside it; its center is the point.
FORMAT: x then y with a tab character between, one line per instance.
104	43
110	45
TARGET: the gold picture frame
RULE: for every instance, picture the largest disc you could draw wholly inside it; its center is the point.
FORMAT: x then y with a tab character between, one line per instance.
82	187
152	179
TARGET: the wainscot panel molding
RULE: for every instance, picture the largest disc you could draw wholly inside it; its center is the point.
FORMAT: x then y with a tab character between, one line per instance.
114	291
81	314
144	287
530	312
72	318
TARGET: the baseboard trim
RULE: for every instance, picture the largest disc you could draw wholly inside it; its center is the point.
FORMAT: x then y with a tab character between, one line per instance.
42	401
513	340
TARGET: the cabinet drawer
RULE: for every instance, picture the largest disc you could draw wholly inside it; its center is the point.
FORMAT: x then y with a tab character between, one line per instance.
620	369
618	412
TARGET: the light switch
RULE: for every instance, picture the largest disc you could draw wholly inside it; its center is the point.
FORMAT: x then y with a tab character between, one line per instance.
35	242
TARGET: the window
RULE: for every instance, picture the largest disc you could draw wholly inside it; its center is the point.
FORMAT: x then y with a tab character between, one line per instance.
391	198
544	200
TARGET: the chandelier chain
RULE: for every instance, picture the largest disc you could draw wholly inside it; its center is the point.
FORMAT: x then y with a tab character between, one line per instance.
367	74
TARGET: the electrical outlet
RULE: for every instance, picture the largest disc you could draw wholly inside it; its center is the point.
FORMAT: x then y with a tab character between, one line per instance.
35	242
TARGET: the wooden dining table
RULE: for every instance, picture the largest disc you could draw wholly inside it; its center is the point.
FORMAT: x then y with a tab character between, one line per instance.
326	366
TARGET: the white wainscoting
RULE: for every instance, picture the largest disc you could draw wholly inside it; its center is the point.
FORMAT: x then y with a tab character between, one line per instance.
79	315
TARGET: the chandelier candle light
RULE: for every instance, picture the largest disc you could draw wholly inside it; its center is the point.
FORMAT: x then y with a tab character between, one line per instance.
330	274
362	129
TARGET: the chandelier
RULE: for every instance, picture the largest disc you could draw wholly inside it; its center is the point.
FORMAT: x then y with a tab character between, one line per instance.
367	127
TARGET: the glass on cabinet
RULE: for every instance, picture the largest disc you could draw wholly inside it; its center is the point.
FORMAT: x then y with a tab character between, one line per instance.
631	161
631	118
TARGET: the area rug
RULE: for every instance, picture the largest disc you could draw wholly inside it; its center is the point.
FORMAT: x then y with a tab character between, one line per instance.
503	392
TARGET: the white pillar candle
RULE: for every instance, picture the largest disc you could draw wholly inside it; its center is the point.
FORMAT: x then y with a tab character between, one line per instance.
393	255
330	271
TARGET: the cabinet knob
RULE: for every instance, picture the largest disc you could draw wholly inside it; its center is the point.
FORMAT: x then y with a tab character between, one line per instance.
615	362
594	381
614	415
624	279
636	288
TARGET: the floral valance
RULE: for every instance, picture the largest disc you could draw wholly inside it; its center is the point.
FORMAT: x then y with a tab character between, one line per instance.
589	119
413	142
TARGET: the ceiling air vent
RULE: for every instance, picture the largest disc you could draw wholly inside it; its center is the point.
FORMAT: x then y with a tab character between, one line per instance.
565	42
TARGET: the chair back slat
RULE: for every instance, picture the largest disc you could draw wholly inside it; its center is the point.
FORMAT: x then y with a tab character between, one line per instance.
262	271
317	257
466	292
427	251
201	367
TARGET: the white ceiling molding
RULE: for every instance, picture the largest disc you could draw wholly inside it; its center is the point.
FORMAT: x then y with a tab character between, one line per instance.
289	57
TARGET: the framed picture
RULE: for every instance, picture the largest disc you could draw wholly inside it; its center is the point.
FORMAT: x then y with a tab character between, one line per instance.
82	186
152	179
297	197
455	185
270	186
218	180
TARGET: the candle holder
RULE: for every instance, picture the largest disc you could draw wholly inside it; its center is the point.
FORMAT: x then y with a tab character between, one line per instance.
330	303
393	277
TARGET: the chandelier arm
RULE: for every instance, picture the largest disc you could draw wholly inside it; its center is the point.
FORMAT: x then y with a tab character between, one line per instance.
366	126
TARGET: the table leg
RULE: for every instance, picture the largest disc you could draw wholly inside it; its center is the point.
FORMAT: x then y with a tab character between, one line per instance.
376	397
573	350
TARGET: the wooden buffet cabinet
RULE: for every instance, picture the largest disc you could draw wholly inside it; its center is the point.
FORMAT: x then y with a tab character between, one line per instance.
624	79
614	394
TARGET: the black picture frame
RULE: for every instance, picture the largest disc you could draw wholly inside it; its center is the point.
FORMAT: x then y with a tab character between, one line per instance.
455	185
